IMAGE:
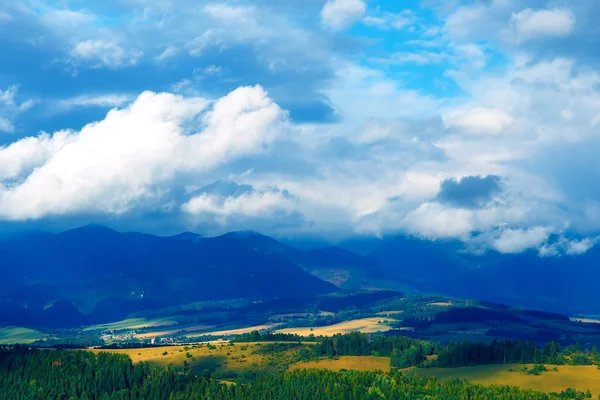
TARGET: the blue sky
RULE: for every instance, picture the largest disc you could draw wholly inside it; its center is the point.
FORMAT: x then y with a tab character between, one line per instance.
446	119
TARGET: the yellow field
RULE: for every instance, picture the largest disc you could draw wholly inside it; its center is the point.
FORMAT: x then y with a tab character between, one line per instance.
364	325
441	304
577	377
238	331
586	320
359	363
238	358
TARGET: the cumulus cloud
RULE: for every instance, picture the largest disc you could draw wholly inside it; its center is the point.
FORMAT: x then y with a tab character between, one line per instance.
22	156
113	165
532	24
252	204
435	221
101	53
339	14
232	206
480	96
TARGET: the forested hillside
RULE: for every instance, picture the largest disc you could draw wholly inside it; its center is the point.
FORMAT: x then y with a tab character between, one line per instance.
34	374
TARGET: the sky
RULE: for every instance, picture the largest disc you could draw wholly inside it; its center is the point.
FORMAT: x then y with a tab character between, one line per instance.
444	119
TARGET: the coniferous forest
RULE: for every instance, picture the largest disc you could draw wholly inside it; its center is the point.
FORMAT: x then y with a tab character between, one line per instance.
64	374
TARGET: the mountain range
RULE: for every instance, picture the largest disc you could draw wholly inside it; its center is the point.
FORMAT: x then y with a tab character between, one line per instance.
94	274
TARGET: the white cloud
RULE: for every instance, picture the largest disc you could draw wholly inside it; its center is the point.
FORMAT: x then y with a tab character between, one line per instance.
532	24
419	58
379	22
91	100
64	18
481	120
517	240
387	98
253	204
6	125
100	53
577	247
387	20
434	221
10	109
571	247
7	97
466	20
169	52
121	162
200	43
22	156
340	14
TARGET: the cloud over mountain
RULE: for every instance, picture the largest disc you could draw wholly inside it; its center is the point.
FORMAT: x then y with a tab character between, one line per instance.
469	120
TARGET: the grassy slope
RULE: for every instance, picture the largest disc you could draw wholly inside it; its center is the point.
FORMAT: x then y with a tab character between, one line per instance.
14	334
577	377
238	358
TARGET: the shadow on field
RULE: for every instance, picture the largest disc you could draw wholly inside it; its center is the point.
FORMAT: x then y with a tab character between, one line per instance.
210	362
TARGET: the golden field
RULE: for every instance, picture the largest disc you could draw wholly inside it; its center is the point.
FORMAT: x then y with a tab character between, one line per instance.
575	376
365	325
359	363
238	358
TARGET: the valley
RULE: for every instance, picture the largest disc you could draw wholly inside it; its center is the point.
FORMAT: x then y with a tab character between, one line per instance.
242	307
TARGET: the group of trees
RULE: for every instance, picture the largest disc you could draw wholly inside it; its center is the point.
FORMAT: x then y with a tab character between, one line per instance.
62	375
403	351
65	375
406	352
70	342
256	336
469	353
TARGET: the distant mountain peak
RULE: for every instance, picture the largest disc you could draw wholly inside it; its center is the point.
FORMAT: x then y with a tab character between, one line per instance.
89	228
187	235
247	234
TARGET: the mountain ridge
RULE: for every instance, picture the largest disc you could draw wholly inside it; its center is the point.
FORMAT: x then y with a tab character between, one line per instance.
106	274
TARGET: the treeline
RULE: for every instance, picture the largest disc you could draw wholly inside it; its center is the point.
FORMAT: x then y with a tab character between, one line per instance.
78	342
121	346
62	375
469	353
256	336
404	351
